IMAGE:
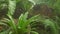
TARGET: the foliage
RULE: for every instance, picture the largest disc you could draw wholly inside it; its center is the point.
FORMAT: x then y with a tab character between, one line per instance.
24	21
21	24
11	7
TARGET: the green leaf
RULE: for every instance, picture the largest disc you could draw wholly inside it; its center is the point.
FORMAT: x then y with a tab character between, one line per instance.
11	7
22	21
12	24
34	32
53	25
32	19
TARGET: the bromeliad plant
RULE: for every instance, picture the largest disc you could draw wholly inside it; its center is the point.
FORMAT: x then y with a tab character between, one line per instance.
23	22
22	25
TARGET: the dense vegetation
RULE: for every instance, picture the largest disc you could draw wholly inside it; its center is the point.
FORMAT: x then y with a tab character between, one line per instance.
29	16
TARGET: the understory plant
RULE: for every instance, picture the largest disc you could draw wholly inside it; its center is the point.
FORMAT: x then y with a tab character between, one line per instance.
23	24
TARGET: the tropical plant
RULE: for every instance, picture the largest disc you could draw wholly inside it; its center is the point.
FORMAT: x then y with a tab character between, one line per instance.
24	23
